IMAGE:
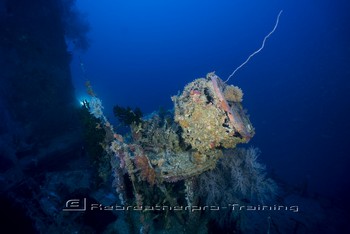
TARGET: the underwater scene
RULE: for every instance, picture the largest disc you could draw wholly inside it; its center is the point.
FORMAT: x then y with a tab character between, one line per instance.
164	116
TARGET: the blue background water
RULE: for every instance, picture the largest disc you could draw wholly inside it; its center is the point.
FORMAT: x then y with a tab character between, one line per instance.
296	89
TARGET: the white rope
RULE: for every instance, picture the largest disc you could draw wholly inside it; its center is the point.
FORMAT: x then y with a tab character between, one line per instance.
262	46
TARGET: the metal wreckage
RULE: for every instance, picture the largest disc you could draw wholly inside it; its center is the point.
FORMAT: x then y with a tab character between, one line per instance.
160	161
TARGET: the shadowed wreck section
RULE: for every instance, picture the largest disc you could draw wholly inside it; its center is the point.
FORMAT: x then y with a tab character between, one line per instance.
40	133
166	152
39	123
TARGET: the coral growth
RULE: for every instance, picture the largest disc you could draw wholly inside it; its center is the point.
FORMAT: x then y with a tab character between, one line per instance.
238	176
233	94
147	171
176	146
238	179
207	119
182	144
232	109
96	108
248	176
127	116
171	157
159	132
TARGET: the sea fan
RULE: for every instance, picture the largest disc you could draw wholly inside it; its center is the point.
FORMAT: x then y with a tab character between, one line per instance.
238	176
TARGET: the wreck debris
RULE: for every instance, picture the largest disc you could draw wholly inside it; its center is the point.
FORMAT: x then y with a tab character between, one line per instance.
207	117
180	144
168	150
210	120
233	110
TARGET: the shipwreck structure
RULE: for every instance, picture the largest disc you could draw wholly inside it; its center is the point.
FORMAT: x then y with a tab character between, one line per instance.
173	148
208	116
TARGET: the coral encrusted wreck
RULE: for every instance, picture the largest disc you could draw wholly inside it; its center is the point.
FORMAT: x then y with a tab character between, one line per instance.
208	117
166	151
175	145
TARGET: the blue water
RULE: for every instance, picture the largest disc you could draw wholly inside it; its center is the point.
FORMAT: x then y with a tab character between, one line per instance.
296	89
